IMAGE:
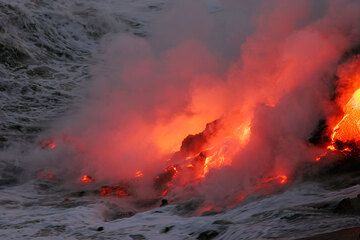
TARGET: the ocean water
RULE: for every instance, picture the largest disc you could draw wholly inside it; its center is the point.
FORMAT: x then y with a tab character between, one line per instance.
47	49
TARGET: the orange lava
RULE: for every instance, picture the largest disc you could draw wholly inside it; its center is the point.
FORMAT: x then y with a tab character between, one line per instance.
283	179
280	179
86	179
116	191
347	128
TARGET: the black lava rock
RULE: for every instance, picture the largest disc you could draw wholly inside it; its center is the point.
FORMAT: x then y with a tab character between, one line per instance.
348	206
167	229
207	235
164	202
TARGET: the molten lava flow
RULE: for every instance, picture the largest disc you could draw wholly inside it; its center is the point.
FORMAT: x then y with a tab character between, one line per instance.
331	148
348	128
221	155
279	179
283	179
116	191
213	148
200	153
345	129
163	181
86	179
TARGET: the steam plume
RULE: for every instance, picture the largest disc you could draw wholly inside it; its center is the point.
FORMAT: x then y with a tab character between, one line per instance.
262	69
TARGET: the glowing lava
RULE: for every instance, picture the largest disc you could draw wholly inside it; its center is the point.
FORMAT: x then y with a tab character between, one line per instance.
116	191
346	128
216	146
86	179
280	179
349	126
139	174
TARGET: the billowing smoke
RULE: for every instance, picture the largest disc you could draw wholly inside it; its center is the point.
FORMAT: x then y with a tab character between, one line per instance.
259	73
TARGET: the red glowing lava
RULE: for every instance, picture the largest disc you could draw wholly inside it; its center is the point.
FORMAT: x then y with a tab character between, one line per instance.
344	127
279	179
105	191
283	179
115	191
182	124
347	128
86	179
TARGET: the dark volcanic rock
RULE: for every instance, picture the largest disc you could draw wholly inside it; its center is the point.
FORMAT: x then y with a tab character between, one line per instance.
222	222
167	229
350	53
318	136
147	203
41	71
12	56
336	170
137	237
348	206
117	214
194	144
207	235
78	194
9	174
164	202
161	181
345	234
188	207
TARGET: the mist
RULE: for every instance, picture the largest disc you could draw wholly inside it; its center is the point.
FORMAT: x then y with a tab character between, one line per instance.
266	77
